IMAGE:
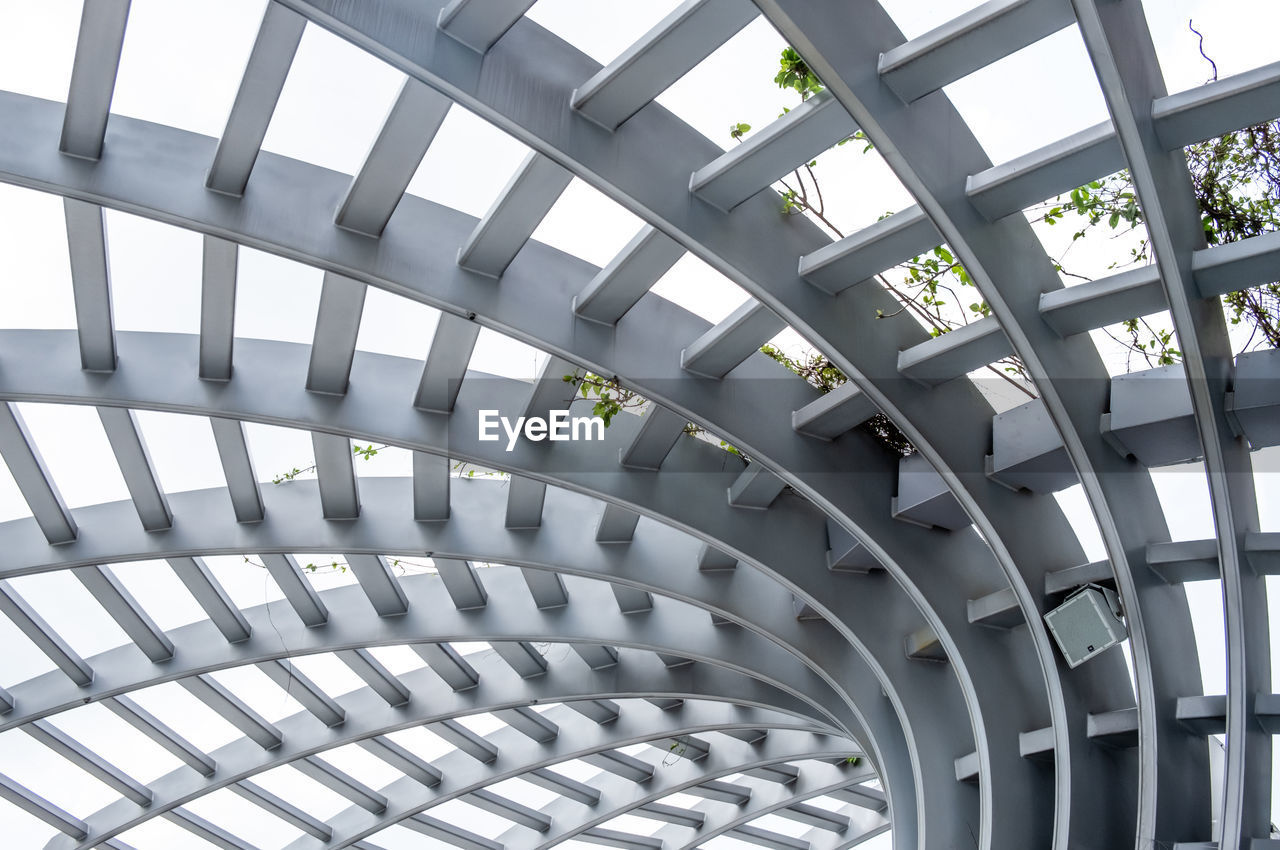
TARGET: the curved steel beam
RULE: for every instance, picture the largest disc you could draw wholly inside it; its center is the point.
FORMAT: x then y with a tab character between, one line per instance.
751	415
1010	267
1124	58
152	363
369	716
727	756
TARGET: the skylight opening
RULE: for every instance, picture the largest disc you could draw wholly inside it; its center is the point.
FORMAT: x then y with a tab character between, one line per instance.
76	452
395	325
23	660
325	570
577	769
190	717
1205	601
377	460
94	726
464	137
246	582
585	223
400	660
472	818
633	824
496	354
1014	105
740	74
781	825
162	834
1231	39
277	451
422	742
700	289
1266	480
1183	490
37	49
917	17
259	692
525	792
276	298
601	31
12	505
156	587
848	187
243	819
71	611
361	765
329	673
1124	350
291	784
202	64
1075	507
333	88
182	450
36	268
30	763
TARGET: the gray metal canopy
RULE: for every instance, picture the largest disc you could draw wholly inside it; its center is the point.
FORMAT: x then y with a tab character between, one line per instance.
827	633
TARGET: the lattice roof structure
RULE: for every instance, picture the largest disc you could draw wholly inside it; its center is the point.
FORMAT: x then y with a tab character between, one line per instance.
811	630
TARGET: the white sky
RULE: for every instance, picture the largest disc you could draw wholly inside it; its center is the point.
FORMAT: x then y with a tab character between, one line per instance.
181	66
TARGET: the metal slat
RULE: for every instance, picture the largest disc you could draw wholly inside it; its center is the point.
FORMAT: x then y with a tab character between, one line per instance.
125	610
91	284
597	656
480	23
220	261
375	675
379	584
467	741
755	487
956	353
46	639
237	467
833	414
431	482
209	831
402	760
308	694
974	40
282	809
524	502
663	55
619	839
496	804
88	761
737	337
546	587
1218	107
1051	170
767	155
601	711
522	657
621	764
142	720
660	428
135	464
1101	302
524	202
297	590
449	665
449	834
232	709
341	782
768	838
446	364
860	256
260	87
632	600
617	524
462	583
32	477
629	275
406	133
529	723
337	325
37	806
336	471
93	77
563	785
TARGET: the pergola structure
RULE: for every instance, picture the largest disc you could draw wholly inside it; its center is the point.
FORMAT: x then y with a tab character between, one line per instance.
826	621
